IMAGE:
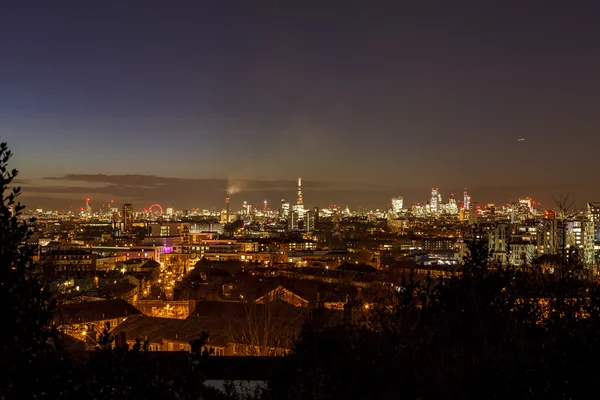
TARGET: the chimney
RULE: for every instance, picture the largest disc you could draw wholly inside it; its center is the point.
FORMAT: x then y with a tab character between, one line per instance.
227	209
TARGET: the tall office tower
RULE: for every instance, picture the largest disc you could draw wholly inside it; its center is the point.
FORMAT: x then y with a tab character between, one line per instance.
170	211
473	213
116	218
294	221
309	221
284	210
466	200
300	201
245	208
397	204
88	207
452	207
593	210
128	218
433	204
299	207
526	203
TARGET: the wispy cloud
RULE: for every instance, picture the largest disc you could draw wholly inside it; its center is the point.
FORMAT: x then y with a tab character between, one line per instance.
150	188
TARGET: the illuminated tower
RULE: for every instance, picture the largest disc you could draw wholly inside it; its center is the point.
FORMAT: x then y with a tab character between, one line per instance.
88	207
127	217
284	210
466	200
434	206
299	202
397	204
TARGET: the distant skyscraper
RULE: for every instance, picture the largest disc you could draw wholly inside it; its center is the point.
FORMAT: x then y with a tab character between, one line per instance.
170	211
452	206
294	221
397	204
284	210
593	210
527	203
88	207
247	208
433	204
299	207
128	218
309	221
300	201
473	212
466	200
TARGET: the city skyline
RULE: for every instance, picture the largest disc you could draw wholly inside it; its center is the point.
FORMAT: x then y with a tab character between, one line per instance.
385	96
176	193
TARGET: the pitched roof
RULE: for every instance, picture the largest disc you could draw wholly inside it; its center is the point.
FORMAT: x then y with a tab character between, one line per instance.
364	268
91	311
284	294
157	329
151	264
122	287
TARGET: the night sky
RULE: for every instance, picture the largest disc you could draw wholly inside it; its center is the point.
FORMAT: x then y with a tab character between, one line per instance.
170	101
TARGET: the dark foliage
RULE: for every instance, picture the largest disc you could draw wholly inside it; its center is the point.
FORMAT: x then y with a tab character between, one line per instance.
27	346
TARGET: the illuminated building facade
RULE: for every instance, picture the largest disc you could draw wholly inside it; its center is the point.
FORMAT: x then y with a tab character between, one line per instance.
527	203
309	221
299	207
284	210
294	221
433	204
593	211
128	218
300	201
397	204
88	208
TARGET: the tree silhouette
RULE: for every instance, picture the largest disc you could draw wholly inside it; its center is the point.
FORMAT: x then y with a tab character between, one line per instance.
27	339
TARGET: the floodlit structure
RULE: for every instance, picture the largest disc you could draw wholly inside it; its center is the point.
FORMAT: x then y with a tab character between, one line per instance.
434	203
397	204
